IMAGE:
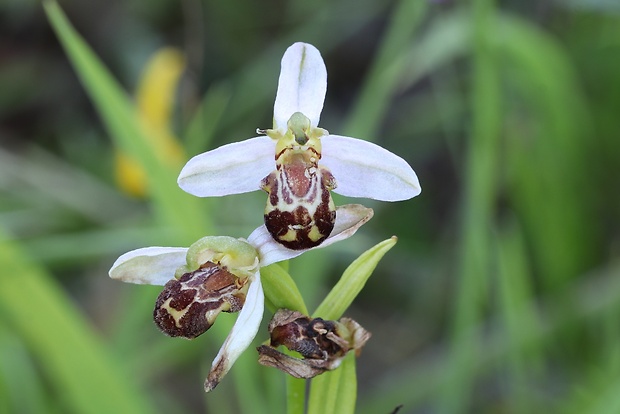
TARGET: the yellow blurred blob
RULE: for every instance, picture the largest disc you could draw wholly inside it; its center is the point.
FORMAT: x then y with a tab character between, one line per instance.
154	101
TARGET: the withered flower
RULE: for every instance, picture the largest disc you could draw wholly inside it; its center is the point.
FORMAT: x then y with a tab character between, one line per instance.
322	344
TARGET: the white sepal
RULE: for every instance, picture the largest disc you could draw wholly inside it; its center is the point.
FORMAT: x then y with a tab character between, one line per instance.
230	169
149	265
302	85
241	335
349	218
363	169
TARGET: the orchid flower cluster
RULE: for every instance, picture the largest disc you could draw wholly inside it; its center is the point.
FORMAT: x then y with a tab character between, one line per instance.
298	164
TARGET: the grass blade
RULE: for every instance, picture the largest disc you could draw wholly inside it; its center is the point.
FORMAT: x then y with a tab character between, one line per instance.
174	207
83	374
352	281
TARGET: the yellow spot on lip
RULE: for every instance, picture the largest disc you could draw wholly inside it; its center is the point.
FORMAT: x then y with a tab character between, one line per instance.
289	236
315	234
177	315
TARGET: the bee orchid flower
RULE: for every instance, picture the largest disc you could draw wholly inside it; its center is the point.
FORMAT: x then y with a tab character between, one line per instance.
298	164
216	274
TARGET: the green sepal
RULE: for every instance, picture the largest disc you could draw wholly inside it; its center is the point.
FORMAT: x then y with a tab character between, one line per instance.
281	290
231	252
352	281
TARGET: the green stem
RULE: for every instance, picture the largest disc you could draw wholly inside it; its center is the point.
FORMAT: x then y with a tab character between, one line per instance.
295	395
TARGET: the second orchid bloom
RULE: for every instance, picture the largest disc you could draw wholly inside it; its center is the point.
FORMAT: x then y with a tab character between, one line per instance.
216	274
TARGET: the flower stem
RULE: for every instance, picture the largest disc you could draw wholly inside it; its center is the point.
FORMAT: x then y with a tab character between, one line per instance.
295	395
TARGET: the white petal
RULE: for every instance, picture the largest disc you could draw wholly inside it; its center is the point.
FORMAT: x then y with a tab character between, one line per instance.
349	218
149	265
363	169
302	85
230	169
241	335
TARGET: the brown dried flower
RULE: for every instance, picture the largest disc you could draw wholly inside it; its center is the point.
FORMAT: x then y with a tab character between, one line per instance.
322	344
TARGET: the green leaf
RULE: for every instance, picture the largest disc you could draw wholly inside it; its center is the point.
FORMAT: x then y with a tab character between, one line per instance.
324	393
201	130
384	76
281	290
352	281
295	395
84	374
514	296
335	392
174	207
347	389
18	377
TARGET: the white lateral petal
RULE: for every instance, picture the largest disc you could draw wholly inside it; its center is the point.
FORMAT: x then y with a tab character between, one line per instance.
363	169
230	169
270	251
241	335
302	85
349	218
149	265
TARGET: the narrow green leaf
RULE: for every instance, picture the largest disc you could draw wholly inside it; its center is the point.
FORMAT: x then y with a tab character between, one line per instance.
422	380
18	377
347	389
201	129
478	205
281	290
56	181
174	207
383	78
447	38
324	393
83	374
556	113
352	281
514	294
295	395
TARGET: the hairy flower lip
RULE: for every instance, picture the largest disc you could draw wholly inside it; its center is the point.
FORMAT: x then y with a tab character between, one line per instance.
349	219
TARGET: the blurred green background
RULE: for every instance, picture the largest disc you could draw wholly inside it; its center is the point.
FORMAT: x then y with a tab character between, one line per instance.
503	292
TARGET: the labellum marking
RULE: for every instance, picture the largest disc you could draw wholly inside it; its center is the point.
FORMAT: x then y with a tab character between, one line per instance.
188	306
300	212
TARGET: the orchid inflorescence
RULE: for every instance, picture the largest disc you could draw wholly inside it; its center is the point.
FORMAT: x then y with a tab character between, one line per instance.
298	164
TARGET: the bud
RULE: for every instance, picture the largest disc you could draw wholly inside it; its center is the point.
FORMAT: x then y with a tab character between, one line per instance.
322	344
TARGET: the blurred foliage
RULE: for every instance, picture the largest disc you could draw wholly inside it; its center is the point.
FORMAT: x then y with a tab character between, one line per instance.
503	292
